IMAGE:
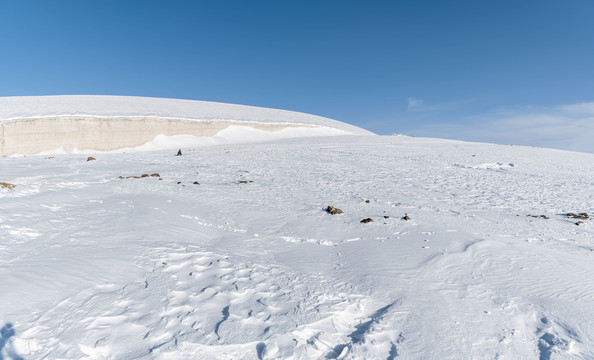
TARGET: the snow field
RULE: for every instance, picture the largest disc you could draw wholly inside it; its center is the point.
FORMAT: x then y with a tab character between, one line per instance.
248	265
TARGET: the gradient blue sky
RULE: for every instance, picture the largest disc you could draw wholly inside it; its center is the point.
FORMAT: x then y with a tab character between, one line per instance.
513	72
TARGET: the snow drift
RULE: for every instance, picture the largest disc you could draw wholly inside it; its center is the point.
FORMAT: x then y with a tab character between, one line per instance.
45	124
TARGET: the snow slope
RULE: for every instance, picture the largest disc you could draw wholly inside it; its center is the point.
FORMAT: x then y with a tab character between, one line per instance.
57	124
248	265
132	106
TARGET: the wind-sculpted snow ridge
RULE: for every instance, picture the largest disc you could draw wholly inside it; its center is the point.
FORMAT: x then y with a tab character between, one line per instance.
229	252
82	123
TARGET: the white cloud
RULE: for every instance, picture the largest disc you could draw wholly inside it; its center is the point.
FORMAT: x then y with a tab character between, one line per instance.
582	108
418	105
568	127
414	103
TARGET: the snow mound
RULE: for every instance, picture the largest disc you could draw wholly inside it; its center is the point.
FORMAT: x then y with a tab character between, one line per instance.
79	123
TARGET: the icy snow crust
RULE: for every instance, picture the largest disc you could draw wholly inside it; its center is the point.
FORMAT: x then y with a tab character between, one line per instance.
45	124
248	265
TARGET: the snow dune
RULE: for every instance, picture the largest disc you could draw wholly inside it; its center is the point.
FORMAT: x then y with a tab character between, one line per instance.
54	124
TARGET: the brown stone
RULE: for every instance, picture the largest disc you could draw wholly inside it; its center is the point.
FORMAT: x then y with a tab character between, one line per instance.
367	220
7	185
332	210
90	158
141	176
406	217
583	216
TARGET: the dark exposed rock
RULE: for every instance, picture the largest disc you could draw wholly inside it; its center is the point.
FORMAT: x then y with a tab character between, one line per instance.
141	176
386	217
367	220
579	222
243	182
538	216
90	158
406	217
367	201
179	153
583	216
196	183
332	210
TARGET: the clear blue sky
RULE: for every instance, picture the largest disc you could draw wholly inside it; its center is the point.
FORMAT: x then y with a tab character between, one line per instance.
503	71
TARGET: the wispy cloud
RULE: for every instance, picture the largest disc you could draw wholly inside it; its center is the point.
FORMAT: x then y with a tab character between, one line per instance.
569	127
421	106
581	108
414	103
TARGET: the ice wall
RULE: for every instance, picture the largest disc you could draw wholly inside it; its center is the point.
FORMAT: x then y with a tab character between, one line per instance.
30	125
68	133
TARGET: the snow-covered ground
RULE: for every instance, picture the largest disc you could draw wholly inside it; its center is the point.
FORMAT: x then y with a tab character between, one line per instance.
247	264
